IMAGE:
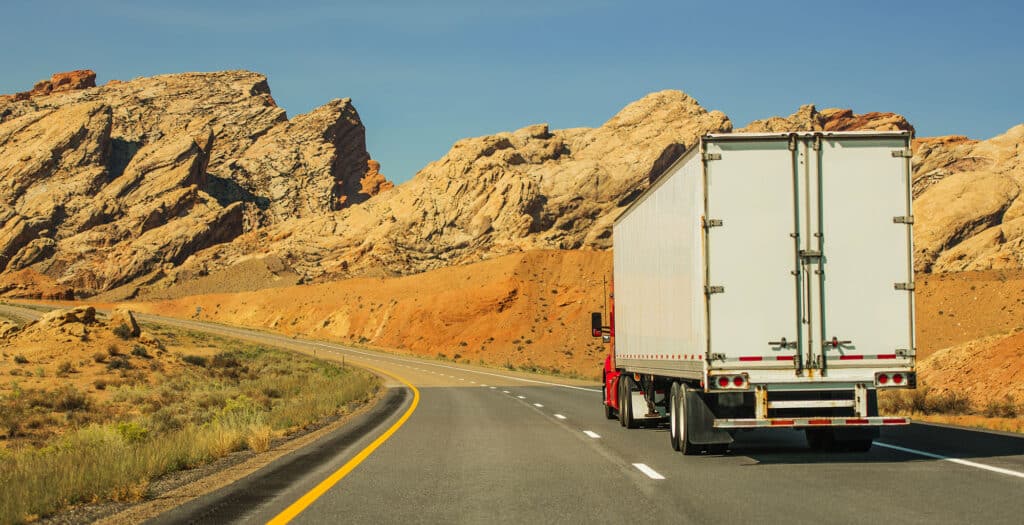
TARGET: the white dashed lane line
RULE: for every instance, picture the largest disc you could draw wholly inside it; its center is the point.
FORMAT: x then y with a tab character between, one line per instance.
651	473
559	416
591	434
521	397
538	405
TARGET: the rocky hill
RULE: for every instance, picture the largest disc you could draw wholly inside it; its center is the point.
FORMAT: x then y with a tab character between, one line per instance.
188	183
493	195
108	185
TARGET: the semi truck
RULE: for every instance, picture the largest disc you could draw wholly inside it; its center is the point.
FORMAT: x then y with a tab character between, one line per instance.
765	281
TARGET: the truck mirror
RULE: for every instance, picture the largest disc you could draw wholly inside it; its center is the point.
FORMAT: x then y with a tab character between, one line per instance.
595	324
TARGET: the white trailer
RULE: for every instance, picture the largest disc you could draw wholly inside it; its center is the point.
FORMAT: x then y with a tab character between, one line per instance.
766	280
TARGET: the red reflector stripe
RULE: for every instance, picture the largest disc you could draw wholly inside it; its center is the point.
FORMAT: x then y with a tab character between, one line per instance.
784	358
894	421
751	358
782	422
887	356
857	421
819	422
845	357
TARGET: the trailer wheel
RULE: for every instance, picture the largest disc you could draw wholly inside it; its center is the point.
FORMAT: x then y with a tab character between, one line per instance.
673	415
626	402
821	439
857	445
679	415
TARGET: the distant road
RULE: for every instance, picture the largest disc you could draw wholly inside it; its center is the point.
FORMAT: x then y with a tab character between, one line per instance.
486	446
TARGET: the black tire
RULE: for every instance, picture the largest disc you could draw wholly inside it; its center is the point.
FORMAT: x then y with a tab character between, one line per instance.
821	439
620	386
626	404
857	445
673	414
609	412
685	446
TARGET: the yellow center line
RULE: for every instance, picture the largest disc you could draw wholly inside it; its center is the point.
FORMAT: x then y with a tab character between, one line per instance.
308	498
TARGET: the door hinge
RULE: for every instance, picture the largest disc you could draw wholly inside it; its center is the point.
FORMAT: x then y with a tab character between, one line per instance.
904	286
712	223
711	156
903	352
903	219
902	153
708	290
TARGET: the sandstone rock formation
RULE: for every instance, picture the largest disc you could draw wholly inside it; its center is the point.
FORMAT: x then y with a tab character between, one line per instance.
969	202
808	118
107	185
531	188
68	81
123	321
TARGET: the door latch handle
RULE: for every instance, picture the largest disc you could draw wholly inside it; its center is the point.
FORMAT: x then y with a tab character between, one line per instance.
835	343
783	343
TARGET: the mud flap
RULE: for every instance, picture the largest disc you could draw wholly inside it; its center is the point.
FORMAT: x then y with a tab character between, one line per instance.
700	422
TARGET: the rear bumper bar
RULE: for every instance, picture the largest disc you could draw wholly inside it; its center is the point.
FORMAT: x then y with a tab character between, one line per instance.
812	422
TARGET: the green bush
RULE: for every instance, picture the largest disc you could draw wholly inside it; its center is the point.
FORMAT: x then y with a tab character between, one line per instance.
20	359
140	351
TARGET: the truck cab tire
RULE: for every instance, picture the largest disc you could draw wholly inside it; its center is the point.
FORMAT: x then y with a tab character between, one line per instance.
609	412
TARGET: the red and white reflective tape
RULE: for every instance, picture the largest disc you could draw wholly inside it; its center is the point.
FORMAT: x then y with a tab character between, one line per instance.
812	422
847	357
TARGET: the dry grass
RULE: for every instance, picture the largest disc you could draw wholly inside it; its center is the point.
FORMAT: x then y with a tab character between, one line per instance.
241	399
949	407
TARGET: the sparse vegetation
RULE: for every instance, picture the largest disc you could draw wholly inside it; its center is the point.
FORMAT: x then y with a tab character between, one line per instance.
242	398
20	359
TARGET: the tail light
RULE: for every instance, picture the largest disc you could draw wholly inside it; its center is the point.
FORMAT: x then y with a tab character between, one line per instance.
730	382
895	380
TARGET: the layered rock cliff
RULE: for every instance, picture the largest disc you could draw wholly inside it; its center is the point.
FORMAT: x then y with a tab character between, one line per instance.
530	188
201	178
103	186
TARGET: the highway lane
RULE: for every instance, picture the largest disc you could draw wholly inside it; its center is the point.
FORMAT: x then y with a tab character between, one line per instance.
484	445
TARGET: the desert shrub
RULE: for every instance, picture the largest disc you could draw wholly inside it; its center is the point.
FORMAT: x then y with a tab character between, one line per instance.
224	360
20	359
122	331
132	432
64	369
99	357
70	398
196	360
140	351
119	362
113	349
100	384
1006	407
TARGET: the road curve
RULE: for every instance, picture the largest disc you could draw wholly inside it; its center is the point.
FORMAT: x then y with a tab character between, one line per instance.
485	446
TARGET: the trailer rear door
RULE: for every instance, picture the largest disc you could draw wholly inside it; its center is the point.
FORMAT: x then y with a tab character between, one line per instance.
808	253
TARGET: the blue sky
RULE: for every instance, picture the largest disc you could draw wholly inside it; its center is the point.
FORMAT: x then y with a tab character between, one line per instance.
425	74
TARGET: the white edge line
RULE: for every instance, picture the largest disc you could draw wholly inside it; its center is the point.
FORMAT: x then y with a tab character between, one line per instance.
592	434
651	473
964	462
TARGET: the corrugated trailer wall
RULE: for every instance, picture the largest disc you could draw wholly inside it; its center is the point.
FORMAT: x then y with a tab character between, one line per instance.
659	297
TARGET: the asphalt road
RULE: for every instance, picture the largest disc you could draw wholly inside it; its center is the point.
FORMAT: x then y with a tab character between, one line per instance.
485	446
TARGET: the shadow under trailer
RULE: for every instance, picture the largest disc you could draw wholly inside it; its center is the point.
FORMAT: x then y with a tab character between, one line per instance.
765	281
